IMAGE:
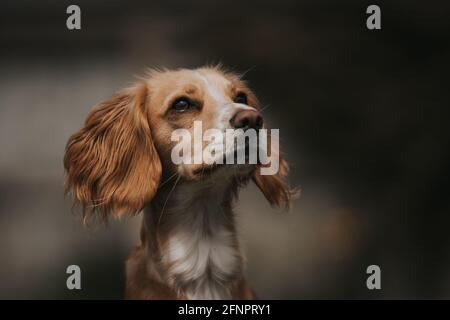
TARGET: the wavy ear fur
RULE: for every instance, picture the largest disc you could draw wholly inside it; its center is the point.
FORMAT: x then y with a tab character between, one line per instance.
274	187
112	165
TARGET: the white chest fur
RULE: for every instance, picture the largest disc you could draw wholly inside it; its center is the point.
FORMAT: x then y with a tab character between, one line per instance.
201	251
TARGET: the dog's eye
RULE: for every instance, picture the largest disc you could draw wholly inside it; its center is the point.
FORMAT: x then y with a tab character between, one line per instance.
241	98
182	104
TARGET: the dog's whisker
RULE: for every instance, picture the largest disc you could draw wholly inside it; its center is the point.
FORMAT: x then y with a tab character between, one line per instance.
264	108
167	199
167	180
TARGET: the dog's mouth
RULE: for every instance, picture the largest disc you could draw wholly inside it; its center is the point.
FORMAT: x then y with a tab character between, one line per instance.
247	159
241	160
210	169
207	169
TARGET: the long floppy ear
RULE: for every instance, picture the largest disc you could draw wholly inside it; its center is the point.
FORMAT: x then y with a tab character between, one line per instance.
274	187
112	165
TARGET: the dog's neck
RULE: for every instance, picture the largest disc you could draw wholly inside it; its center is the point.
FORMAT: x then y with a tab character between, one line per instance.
192	241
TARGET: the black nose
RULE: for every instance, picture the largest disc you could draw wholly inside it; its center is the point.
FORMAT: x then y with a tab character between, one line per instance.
246	119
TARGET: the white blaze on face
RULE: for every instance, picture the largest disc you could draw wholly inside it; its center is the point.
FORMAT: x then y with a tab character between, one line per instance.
215	87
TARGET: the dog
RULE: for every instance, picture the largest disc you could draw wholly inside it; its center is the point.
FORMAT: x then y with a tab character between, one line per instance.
119	164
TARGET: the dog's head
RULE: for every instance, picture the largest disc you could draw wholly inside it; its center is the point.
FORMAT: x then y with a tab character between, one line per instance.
116	162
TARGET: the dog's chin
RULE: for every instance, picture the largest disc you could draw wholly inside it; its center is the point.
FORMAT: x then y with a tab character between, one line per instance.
218	172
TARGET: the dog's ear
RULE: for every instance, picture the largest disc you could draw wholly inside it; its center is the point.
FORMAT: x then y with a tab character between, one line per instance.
112	166
273	184
274	187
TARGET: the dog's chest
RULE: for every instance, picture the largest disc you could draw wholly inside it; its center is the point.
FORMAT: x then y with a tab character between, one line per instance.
201	263
201	252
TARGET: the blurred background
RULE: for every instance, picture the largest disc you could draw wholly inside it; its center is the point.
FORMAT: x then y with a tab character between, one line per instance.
363	118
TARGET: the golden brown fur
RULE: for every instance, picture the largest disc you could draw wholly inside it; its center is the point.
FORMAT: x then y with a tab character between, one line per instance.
119	164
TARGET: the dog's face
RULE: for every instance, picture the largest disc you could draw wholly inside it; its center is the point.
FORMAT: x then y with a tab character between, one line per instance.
114	164
210	97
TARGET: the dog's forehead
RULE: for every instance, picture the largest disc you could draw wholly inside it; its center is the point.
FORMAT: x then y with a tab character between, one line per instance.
214	83
210	80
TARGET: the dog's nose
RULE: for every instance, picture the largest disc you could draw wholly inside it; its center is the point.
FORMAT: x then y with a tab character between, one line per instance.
246	119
